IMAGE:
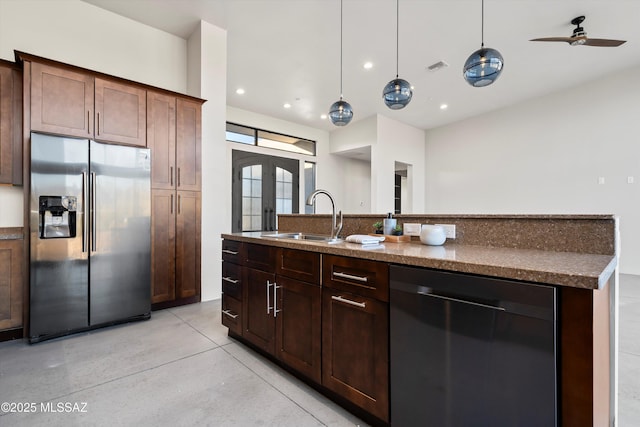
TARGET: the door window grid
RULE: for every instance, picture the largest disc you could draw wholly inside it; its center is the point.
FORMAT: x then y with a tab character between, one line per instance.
284	191
252	198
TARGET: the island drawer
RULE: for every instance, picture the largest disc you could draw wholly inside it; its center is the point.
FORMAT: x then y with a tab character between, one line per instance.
232	314
359	276
232	251
231	280
297	264
260	257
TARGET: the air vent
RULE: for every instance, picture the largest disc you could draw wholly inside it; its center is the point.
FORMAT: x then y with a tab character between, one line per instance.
437	66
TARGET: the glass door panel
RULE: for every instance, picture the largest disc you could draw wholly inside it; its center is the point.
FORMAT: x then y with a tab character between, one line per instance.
263	187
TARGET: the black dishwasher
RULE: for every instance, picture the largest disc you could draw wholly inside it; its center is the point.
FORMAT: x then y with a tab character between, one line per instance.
471	351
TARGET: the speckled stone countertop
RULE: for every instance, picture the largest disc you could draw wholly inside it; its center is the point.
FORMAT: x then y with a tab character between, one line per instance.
573	269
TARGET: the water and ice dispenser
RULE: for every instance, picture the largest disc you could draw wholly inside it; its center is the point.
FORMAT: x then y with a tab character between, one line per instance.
57	216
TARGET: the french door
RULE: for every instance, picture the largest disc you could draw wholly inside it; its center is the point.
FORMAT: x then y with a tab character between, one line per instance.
263	187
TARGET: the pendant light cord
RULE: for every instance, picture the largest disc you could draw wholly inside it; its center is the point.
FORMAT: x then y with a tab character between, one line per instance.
482	27
397	35
340	49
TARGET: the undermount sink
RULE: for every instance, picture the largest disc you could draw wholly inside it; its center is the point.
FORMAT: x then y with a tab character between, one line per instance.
302	236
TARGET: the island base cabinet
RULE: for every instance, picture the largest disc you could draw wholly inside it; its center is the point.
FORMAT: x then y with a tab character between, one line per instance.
258	320
355	343
298	326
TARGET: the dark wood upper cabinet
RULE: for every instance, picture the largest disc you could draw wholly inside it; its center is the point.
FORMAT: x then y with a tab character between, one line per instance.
161	139
61	101
121	111
188	135
10	124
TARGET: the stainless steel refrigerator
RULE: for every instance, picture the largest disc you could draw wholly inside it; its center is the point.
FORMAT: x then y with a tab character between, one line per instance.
90	235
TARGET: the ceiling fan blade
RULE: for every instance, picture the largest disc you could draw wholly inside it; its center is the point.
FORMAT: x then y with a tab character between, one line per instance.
604	42
553	39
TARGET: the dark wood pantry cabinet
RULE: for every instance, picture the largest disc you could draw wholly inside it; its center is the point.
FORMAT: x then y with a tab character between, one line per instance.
10	123
71	101
174	127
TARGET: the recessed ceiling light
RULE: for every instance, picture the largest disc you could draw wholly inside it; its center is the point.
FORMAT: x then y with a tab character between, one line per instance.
368	65
443	106
240	91
323	116
287	105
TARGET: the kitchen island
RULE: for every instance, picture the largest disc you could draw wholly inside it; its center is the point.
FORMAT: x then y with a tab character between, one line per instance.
574	254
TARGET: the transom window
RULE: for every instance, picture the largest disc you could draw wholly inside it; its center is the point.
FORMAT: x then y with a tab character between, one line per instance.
262	138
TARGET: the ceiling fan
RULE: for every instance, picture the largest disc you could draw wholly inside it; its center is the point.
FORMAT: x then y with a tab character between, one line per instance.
579	37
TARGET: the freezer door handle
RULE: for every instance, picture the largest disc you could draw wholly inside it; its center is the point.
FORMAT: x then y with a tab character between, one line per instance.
93	212
85	213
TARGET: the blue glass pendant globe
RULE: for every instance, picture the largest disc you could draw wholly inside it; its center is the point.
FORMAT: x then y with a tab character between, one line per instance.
483	67
340	113
397	94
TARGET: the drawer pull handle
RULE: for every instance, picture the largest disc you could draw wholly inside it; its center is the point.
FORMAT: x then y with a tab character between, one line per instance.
230	280
269	308
227	251
350	276
228	313
348	301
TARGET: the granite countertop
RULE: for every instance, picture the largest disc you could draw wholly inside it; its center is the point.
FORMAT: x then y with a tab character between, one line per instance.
579	270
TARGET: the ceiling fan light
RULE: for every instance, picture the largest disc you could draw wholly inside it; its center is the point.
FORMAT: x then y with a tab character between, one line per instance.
340	113
483	67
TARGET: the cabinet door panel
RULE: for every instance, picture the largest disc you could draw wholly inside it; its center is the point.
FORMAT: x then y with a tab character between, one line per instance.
257	309
121	112
163	245
298	339
10	283
355	345
6	125
188	244
61	101
188	135
161	139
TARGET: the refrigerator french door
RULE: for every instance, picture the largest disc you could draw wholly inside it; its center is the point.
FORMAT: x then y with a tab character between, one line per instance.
90	235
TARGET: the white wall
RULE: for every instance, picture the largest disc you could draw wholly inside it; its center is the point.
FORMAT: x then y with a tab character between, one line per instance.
397	142
81	34
546	156
207	70
357	187
84	35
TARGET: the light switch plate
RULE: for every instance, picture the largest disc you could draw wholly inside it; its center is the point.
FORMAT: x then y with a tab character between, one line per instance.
411	229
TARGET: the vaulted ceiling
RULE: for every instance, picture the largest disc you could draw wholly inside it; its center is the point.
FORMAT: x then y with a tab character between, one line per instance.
288	51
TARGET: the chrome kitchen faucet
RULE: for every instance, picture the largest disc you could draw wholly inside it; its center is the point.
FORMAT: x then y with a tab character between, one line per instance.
335	228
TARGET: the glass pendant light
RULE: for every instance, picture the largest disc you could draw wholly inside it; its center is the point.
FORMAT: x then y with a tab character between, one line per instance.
397	93
340	111
483	66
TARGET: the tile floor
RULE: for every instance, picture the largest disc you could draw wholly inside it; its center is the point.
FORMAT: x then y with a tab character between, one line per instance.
180	369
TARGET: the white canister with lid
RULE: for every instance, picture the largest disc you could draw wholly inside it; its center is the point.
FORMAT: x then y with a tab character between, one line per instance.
432	235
